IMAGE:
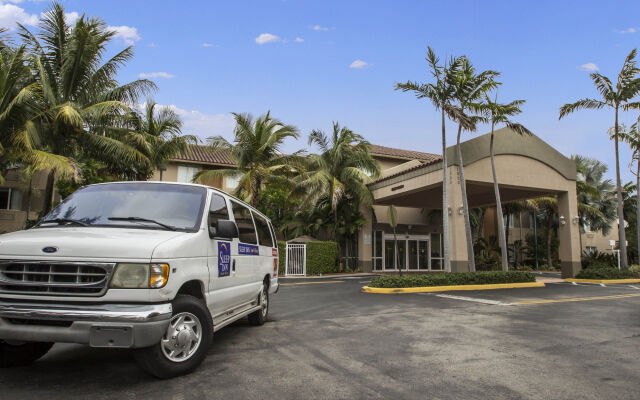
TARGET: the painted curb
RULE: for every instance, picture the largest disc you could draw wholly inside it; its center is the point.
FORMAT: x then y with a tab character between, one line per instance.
602	280
425	289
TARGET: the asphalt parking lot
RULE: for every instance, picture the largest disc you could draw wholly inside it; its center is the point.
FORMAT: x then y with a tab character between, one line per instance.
328	340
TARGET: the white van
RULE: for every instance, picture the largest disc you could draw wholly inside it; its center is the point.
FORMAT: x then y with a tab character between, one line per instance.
153	266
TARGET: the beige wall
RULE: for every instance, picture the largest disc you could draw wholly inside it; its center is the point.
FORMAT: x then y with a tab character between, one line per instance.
171	175
13	220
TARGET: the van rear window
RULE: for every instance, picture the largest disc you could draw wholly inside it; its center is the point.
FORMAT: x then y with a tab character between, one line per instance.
264	236
242	215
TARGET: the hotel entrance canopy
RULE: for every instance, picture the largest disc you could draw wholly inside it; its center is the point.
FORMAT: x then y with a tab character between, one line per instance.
526	167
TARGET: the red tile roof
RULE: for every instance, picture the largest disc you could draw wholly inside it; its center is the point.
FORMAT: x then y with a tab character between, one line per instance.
205	155
403	154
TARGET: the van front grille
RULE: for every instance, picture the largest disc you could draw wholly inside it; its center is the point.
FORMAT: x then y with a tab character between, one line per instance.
54	278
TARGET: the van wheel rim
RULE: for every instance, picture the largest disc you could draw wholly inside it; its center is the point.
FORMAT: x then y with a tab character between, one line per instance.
264	301
183	337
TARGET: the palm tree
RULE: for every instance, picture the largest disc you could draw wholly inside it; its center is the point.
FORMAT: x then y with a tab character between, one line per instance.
632	137
471	89
256	152
500	114
19	96
340	173
157	134
392	215
615	97
82	104
596	198
441	93
547	207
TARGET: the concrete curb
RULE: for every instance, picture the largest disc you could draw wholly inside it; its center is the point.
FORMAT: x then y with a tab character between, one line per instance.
425	289
602	280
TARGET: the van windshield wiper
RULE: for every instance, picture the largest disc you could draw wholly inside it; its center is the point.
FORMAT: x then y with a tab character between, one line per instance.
64	221
139	219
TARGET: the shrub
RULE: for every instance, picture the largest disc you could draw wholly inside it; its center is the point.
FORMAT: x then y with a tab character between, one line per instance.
452	278
596	259
607	273
321	258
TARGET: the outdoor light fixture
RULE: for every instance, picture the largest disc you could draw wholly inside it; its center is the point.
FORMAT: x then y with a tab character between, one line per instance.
562	220
576	219
450	211
461	210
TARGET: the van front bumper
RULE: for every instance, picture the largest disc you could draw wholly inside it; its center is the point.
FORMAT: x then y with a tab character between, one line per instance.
103	325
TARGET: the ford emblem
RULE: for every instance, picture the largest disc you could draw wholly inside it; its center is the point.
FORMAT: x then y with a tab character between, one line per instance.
49	249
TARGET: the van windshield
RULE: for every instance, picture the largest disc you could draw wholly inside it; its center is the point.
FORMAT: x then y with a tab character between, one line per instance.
132	205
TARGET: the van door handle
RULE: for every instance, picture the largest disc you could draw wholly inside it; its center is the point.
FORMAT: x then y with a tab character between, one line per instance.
233	265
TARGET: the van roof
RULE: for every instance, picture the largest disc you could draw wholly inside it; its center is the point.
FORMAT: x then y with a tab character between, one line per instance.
188	184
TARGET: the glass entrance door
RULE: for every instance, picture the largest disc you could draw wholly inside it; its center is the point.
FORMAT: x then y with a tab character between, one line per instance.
423	254
413	254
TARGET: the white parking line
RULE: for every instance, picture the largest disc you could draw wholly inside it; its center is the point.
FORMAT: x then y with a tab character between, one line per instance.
473	299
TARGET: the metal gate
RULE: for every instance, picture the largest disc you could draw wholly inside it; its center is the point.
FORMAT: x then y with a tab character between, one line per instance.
296	259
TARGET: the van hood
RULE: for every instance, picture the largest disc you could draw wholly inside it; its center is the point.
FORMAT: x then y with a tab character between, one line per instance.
84	242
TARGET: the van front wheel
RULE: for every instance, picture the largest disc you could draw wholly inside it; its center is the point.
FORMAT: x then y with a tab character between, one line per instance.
260	317
185	343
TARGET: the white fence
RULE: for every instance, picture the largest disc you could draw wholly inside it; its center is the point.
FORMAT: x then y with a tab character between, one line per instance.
296	259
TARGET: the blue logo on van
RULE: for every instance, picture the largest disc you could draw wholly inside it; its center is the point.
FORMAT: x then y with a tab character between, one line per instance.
224	258
49	249
248	249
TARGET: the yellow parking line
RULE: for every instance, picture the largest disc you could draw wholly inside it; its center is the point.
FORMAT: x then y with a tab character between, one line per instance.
308	283
619	296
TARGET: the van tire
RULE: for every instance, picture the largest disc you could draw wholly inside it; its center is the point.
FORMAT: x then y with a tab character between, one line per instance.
25	353
153	359
260	317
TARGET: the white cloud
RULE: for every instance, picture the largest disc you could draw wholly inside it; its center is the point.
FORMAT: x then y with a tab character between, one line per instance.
206	44
71	17
321	28
147	75
359	64
153	44
127	33
628	30
591	67
201	124
299	40
11	14
267	38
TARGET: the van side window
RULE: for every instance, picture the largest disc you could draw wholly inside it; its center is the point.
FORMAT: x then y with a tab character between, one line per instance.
244	221
217	209
264	235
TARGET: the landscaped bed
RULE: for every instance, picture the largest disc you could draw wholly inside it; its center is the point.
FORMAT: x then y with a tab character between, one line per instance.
608	273
443	282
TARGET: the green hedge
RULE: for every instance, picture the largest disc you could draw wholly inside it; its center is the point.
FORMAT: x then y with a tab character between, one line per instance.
322	258
452	278
607	273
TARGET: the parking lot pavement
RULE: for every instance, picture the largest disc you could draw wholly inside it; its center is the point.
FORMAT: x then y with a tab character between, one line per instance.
327	339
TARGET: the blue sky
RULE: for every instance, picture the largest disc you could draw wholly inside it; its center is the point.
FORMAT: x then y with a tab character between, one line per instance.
313	62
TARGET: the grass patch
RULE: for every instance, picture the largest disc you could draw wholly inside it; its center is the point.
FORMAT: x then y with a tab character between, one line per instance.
608	273
452	278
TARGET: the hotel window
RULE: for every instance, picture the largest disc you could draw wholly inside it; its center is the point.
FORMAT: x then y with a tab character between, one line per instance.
186	174
10	199
232	181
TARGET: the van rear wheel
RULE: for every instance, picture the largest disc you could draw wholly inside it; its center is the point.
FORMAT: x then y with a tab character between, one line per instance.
260	317
185	343
18	354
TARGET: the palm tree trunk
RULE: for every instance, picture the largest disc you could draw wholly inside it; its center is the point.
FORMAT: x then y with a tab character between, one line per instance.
445	202
395	244
621	233
638	206
549	232
465	206
506	233
501	236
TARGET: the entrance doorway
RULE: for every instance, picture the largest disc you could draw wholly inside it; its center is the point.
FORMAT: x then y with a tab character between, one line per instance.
412	253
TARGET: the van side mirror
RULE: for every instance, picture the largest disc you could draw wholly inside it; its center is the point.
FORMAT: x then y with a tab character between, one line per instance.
224	229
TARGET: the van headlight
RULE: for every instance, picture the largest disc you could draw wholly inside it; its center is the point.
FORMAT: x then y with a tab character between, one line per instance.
140	276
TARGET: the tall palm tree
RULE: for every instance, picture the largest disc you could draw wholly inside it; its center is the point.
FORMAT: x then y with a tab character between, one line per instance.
441	93
157	134
340	172
632	137
471	89
19	97
392	216
256	151
618	97
499	114
82	102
